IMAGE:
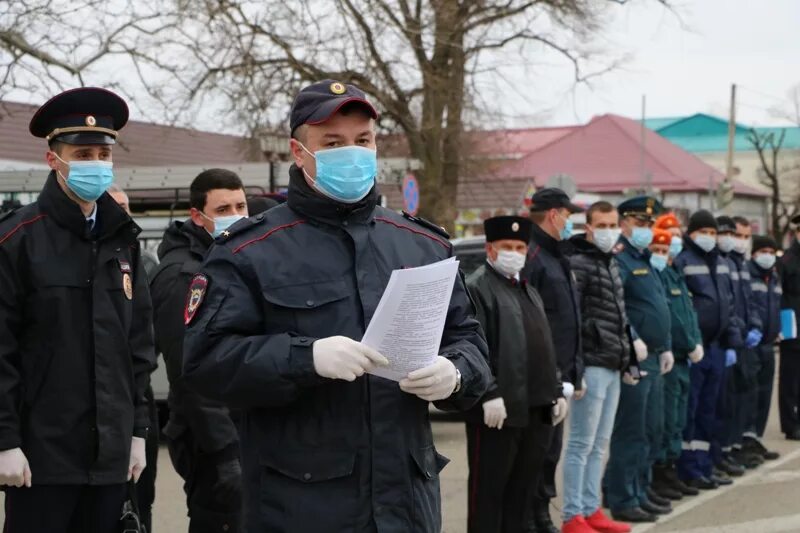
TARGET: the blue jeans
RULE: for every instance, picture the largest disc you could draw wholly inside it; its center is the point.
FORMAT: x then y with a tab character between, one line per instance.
590	424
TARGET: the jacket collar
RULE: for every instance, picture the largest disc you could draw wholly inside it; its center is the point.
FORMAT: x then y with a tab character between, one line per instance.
545	241
634	251
110	216
199	239
581	245
708	257
502	278
312	205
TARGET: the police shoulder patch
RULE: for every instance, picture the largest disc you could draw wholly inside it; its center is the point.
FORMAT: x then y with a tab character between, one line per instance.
427	224
617	248
197	291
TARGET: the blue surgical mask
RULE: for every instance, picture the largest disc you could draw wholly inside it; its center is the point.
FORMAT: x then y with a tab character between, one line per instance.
345	174
605	238
675	246
88	179
658	261
641	237
222	223
765	261
705	242
566	233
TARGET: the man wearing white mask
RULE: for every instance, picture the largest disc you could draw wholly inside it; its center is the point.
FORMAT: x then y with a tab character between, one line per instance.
509	431
202	438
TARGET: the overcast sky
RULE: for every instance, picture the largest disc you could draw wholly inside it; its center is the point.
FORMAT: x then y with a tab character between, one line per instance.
687	66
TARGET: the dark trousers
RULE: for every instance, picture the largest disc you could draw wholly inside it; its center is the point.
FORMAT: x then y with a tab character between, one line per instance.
210	509
546	489
64	508
789	386
146	486
705	380
676	398
629	453
504	469
726	425
754	383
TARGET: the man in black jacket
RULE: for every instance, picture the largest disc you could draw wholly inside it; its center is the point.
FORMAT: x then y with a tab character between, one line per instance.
76	343
203	442
549	272
509	433
789	372
273	321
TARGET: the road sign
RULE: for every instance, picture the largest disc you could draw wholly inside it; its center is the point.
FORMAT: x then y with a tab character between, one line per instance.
410	194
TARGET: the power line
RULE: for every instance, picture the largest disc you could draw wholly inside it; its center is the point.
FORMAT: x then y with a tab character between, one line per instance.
767	95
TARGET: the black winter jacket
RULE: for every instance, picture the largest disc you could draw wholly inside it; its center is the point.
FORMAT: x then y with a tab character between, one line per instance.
604	328
789	269
181	255
76	341
521	352
322	454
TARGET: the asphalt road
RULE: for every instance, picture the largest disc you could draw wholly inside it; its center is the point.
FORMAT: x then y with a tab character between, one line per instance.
766	499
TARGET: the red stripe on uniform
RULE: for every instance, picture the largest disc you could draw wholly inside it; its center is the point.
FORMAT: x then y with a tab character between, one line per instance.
267	234
18	226
412	230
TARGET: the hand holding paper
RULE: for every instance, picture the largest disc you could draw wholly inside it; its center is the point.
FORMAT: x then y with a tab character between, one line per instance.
343	358
432	383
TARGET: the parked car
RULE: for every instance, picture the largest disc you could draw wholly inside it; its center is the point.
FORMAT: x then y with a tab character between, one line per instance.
470	252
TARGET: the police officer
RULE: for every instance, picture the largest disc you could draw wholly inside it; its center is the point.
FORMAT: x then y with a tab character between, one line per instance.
789	372
203	442
766	289
687	347
76	345
274	317
638	426
708	278
509	434
548	270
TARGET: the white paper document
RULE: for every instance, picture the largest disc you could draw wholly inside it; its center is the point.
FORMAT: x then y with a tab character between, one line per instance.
409	321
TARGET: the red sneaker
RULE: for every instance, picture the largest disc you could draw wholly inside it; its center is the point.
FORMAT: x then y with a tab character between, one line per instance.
577	524
603	524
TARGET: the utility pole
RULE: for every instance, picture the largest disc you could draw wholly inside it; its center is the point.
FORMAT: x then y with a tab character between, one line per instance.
725	193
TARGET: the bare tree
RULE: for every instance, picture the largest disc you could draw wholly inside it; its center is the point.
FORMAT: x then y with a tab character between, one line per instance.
792	111
784	197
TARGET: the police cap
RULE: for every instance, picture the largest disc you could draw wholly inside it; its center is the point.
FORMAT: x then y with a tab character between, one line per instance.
88	115
318	102
552	198
643	207
507	227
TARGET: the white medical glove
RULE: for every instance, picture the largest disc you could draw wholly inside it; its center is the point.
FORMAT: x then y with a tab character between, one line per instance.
666	361
138	461
494	413
696	355
14	468
559	411
640	348
344	358
432	383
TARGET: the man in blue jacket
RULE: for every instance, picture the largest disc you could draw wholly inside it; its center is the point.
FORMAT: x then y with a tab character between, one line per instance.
638	426
708	278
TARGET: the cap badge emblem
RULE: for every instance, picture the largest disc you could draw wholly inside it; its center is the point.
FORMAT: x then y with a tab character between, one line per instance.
515	227
338	88
91	121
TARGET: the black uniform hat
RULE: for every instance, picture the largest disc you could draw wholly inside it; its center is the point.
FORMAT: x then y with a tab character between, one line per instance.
88	115
643	207
318	102
701	219
501	228
796	220
726	225
552	198
763	241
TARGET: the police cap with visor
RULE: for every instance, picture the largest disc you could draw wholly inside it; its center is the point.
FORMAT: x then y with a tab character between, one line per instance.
88	115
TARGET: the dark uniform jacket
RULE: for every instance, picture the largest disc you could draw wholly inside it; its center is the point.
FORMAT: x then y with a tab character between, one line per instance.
76	342
708	278
548	270
521	352
181	255
789	269
685	330
321	454
767	292
604	327
742	300
645	302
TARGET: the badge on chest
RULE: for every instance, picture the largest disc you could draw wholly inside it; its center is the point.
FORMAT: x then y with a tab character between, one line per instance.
127	282
197	291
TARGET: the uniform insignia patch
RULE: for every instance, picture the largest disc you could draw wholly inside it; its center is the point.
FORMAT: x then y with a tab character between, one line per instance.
197	291
124	266
127	286
641	272
676	292
618	248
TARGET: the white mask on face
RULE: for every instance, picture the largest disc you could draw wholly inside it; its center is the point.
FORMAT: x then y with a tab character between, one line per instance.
743	246
508	263
726	243
606	238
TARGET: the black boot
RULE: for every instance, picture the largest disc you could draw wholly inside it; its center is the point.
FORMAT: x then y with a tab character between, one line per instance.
755	446
661	484
673	481
542	523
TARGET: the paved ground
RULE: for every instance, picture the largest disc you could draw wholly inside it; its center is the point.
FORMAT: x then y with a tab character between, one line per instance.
766	499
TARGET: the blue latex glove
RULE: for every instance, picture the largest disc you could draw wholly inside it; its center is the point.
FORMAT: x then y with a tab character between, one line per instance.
730	357
754	338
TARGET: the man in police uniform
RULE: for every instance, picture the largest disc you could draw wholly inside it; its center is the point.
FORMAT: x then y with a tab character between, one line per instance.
274	319
789	372
638	427
203	442
76	345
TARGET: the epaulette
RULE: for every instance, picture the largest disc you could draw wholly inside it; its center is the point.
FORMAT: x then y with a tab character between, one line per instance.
427	224
7	214
240	226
